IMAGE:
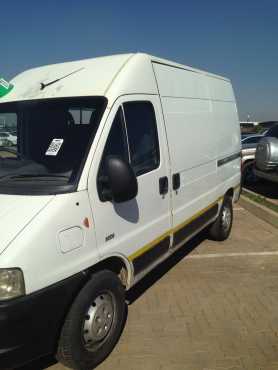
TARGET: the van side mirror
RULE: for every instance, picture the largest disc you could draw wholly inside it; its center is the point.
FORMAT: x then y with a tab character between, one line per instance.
121	183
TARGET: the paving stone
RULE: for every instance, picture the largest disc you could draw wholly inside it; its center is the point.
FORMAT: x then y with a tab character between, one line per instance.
207	313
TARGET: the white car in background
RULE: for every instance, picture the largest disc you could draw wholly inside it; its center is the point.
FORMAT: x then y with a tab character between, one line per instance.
7	139
248	150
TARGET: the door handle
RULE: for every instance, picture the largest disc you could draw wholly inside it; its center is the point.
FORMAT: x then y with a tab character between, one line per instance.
163	185
176	181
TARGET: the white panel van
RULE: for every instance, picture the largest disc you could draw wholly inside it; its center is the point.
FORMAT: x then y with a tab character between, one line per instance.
118	161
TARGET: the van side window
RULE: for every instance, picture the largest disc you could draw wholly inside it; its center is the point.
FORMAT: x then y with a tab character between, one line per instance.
142	136
116	144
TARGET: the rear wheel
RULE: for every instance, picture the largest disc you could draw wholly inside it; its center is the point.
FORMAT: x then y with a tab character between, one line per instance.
221	228
94	323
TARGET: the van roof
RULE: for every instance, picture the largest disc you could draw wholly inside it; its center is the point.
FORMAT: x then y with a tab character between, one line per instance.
99	76
182	66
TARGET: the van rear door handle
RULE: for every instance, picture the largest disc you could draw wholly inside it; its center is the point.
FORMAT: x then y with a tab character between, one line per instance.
176	181
163	185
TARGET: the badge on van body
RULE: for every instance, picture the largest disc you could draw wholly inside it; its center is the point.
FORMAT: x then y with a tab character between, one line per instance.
54	147
110	237
5	87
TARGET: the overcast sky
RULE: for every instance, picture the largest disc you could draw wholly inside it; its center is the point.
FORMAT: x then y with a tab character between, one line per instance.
237	39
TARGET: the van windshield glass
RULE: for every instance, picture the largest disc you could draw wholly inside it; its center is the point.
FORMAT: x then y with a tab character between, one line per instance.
43	143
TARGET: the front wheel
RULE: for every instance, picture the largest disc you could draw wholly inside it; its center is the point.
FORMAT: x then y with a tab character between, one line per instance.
221	228
94	322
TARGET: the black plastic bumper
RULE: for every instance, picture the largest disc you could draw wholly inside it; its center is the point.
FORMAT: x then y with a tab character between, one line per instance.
30	325
267	175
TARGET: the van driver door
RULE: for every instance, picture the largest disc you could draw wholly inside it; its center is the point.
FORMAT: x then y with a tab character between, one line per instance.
138	229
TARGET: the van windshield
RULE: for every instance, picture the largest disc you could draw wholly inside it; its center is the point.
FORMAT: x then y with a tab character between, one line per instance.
44	143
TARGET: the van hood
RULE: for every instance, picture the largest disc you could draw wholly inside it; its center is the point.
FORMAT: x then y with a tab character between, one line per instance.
16	211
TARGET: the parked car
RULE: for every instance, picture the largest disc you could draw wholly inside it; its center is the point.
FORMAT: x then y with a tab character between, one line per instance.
248	150
109	184
243	136
250	139
7	139
266	165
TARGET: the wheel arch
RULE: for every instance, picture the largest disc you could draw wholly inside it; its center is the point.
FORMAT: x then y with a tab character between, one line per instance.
118	264
229	193
247	160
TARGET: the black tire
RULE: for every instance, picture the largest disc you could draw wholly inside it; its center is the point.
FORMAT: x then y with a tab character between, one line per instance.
248	175
78	348
221	228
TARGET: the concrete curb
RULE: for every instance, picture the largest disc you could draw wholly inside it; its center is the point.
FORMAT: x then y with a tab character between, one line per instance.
260	211
270	200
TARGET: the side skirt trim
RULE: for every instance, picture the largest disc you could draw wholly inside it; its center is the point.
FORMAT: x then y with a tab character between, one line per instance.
194	225
147	255
141	262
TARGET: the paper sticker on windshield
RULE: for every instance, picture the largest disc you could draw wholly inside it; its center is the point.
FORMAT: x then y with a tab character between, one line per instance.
54	147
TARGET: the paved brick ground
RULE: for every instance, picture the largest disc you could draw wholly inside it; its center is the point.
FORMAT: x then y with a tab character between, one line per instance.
215	308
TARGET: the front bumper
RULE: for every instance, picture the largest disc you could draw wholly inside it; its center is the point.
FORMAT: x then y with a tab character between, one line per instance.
270	175
30	325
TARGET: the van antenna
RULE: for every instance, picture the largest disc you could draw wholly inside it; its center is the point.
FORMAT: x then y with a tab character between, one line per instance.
43	85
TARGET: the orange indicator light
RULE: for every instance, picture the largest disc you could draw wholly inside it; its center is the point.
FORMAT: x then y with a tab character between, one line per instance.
86	222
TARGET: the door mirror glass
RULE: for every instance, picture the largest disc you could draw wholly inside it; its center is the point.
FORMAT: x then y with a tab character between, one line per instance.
120	183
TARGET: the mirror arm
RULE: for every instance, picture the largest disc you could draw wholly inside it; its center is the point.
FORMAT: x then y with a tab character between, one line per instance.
104	189
106	195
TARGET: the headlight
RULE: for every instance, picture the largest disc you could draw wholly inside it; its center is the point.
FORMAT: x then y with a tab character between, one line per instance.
11	283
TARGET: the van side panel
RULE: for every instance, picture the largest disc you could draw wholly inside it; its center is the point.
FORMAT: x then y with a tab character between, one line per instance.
228	164
178	82
227	133
189	124
202	129
220	89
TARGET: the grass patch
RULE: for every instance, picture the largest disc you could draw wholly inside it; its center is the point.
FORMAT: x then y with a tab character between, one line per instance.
261	200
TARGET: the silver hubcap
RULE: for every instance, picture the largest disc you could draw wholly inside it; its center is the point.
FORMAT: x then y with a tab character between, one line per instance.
226	218
98	320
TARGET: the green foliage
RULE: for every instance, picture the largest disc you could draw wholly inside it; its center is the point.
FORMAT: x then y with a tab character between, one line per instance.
261	200
259	129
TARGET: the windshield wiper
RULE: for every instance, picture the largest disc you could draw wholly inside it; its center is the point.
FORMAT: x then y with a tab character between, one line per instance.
29	176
